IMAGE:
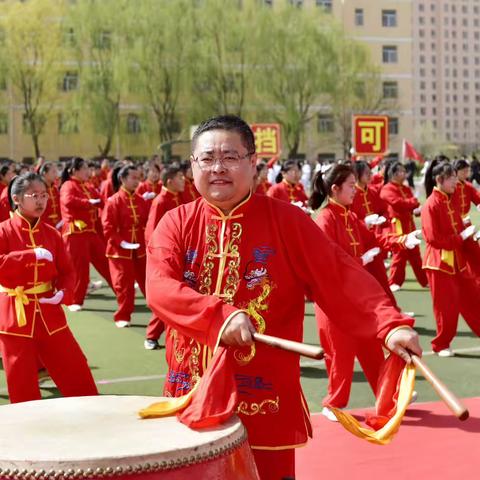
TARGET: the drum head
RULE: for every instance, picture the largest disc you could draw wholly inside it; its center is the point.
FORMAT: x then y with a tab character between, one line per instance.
103	435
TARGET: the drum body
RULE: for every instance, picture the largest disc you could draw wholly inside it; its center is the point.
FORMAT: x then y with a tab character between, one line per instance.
103	437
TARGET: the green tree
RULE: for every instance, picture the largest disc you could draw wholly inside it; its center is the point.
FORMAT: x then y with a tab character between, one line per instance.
298	54
33	56
161	39
225	38
101	46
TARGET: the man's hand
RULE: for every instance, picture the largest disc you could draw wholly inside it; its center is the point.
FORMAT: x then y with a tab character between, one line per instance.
402	340
238	331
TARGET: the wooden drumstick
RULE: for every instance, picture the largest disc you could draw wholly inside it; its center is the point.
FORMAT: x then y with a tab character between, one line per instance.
453	403
311	351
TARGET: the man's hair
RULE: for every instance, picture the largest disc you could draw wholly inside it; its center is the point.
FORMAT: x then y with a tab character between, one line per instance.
168	173
230	123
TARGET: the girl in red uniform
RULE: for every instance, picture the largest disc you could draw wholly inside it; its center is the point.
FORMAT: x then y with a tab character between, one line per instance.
123	219
79	205
344	228
36	277
262	185
402	205
190	192
49	172
288	187
454	290
151	187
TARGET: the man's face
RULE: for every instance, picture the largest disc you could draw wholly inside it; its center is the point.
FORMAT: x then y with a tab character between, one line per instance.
229	178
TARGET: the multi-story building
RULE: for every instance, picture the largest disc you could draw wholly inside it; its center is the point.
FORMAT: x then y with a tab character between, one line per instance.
446	67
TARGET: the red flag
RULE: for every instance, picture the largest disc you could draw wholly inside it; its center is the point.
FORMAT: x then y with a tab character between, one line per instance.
409	152
376	161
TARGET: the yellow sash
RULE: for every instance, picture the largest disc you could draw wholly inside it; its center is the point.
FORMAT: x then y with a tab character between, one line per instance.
448	257
21	298
169	406
388	431
80	224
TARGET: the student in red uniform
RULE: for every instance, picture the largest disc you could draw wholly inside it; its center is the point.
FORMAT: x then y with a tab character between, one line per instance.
36	277
49	172
152	185
189	193
79	205
344	228
123	219
262	185
173	181
454	290
402	205
7	172
211	261
288	187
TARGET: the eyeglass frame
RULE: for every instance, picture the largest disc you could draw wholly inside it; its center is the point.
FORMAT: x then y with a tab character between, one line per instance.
221	161
36	196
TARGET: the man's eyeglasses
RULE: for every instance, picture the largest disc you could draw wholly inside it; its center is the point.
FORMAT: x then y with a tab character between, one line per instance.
230	161
36	196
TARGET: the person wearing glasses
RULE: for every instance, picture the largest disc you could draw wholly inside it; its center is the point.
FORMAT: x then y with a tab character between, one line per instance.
232	263
36	278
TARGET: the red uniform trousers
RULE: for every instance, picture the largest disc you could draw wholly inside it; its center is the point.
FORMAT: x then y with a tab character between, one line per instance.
125	272
275	464
59	353
85	248
399	263
340	352
453	295
155	328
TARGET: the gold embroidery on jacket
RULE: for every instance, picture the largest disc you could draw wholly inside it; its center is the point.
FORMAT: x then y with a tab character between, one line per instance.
254	308
233	277
262	408
194	362
212	247
179	354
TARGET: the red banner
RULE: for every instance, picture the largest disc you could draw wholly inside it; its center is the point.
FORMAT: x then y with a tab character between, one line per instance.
267	139
370	134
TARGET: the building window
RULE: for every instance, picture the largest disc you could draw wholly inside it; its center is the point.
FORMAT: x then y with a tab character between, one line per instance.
103	40
3	124
359	17
325	4
393	126
389	55
68	123
389	18
70	81
134	125
390	90
325	123
69	39
296	3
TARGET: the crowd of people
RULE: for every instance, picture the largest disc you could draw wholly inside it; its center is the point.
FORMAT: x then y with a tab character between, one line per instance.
225	260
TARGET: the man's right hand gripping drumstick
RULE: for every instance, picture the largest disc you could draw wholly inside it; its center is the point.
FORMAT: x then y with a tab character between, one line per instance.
403	340
239	331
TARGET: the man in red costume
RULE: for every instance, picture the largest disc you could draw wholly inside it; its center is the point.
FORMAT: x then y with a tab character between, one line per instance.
232	263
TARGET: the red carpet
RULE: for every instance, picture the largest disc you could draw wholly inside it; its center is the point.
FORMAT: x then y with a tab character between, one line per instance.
431	445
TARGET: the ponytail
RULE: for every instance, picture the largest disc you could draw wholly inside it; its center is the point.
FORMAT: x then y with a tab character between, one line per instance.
76	163
438	168
321	187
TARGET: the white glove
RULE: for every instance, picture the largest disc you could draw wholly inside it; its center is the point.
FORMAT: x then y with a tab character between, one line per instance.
94	201
43	254
417	211
129	246
299	204
369	255
468	232
478	207
148	195
371	219
476	236
466	220
55	300
413	239
59	225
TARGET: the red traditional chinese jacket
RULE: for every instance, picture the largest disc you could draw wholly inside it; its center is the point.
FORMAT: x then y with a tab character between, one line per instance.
161	204
204	266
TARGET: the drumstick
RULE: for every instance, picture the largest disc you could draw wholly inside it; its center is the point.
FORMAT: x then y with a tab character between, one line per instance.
450	399
304	349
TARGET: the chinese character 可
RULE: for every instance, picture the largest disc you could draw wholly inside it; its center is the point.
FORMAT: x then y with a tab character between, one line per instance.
371	133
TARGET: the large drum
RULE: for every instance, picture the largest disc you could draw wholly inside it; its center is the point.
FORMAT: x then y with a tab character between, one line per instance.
102	437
